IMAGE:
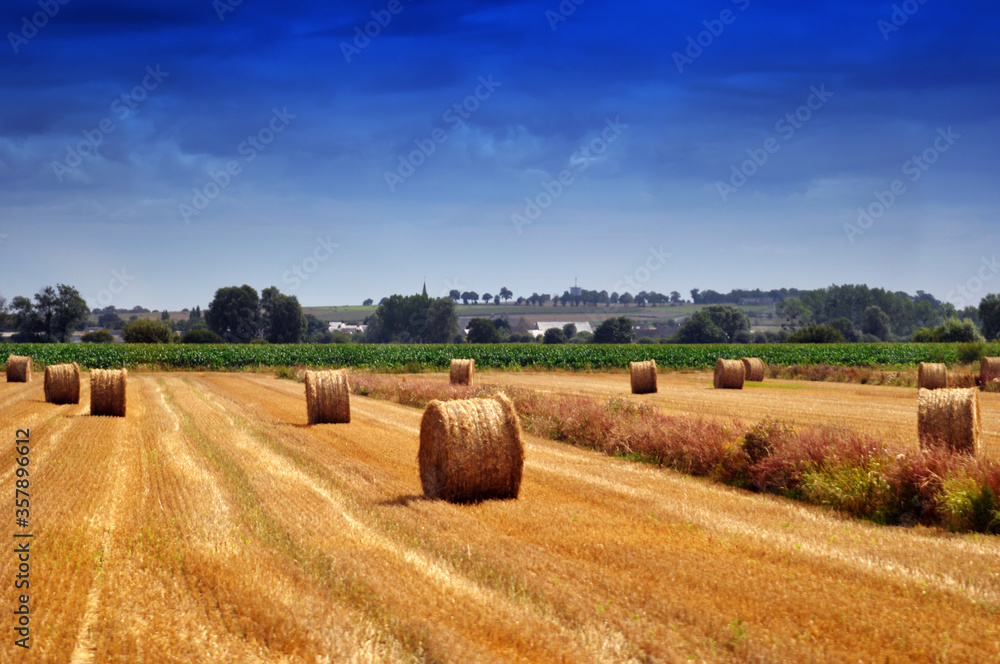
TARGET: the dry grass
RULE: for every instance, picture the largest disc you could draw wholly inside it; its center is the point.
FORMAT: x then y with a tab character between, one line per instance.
214	525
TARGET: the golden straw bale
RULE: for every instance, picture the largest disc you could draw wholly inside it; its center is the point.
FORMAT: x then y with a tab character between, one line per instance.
643	376
989	371
754	369
932	376
62	383
107	392
729	375
470	450
19	368
328	397
463	372
949	417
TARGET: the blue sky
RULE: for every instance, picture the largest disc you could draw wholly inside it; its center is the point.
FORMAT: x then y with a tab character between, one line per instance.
152	153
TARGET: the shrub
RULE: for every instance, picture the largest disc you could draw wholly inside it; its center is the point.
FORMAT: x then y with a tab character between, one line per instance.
201	336
98	337
259	342
553	335
970	352
816	334
143	331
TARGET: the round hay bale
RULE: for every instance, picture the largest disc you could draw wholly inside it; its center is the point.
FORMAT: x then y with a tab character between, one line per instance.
989	371
754	369
19	368
107	392
463	372
62	383
729	375
949	417
932	376
470	450
328	397
643	376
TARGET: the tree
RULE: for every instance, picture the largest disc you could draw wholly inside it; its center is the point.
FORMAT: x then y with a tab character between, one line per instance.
442	321
413	319
989	314
615	331
70	310
675	297
569	329
482	331
795	313
486	297
165	315
816	334
952	330
145	331
317	331
234	314
282	319
496	299
845	326
876	323
730	319
195	314
505	294
455	295
554	335
701	329
369	302
98	337
625	299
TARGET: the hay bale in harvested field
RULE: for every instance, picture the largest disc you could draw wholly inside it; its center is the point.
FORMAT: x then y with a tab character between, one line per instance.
754	369
643	376
19	368
949	417
932	376
470	450
62	383
107	392
463	372
328	397
729	375
989	371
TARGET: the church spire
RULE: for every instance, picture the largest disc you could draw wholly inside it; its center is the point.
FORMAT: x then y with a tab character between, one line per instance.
425	287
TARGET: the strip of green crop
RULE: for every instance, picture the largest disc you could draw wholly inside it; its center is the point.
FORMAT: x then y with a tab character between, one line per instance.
497	356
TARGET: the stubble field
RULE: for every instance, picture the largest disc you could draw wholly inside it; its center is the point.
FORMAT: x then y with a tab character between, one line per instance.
213	525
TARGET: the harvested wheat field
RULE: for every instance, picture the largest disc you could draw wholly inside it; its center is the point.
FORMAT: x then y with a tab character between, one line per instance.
214	525
888	412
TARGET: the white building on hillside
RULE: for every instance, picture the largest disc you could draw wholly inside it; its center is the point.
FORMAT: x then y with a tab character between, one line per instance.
337	326
541	326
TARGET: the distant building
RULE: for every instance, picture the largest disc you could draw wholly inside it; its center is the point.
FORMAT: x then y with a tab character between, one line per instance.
575	291
541	326
350	328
